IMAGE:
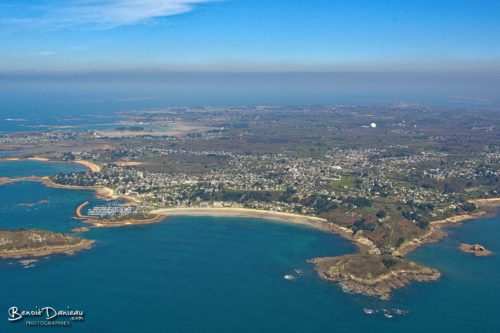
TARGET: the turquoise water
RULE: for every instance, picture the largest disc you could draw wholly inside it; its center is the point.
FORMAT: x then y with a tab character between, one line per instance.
204	274
16	169
32	205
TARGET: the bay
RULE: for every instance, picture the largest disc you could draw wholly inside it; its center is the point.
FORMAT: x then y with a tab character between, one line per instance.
209	274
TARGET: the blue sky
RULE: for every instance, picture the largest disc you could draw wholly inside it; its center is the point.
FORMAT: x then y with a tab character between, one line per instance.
250	35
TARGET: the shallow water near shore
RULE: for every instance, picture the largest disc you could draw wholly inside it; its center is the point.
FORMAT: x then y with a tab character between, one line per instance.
209	274
16	169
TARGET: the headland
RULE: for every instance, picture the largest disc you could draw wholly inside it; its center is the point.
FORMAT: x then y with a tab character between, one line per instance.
39	243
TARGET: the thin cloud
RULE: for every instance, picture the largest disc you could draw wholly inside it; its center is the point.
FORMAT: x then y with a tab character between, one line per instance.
101	14
45	53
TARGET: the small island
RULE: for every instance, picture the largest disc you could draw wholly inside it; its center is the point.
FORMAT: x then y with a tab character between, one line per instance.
39	243
80	229
475	249
373	275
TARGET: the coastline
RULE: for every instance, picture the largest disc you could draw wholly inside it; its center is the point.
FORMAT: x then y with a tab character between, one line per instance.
458	219
364	244
90	165
475	249
127	222
436	232
104	193
490	202
380	285
351	273
329	268
343	270
35	158
93	167
163	214
6	180
24	243
79	209
297	219
84	244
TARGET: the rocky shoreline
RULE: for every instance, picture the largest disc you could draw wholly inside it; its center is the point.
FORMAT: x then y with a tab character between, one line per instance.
373	275
39	243
475	249
436	232
363	272
368	272
103	193
5	180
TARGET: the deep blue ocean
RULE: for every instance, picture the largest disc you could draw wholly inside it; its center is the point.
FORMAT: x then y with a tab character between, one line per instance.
206	274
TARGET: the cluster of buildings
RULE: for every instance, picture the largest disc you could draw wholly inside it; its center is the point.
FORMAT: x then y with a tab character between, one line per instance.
33	138
111	211
260	181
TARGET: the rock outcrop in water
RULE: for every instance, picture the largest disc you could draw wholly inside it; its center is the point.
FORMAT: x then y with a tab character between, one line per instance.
476	249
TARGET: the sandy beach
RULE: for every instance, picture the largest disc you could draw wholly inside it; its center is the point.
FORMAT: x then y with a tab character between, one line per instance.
310	221
101	192
434	234
91	166
35	158
40	159
491	202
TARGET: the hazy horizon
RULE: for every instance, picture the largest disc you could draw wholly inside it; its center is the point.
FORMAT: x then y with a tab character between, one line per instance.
221	89
226	52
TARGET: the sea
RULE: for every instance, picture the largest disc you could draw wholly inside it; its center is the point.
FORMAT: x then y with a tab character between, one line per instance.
210	274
